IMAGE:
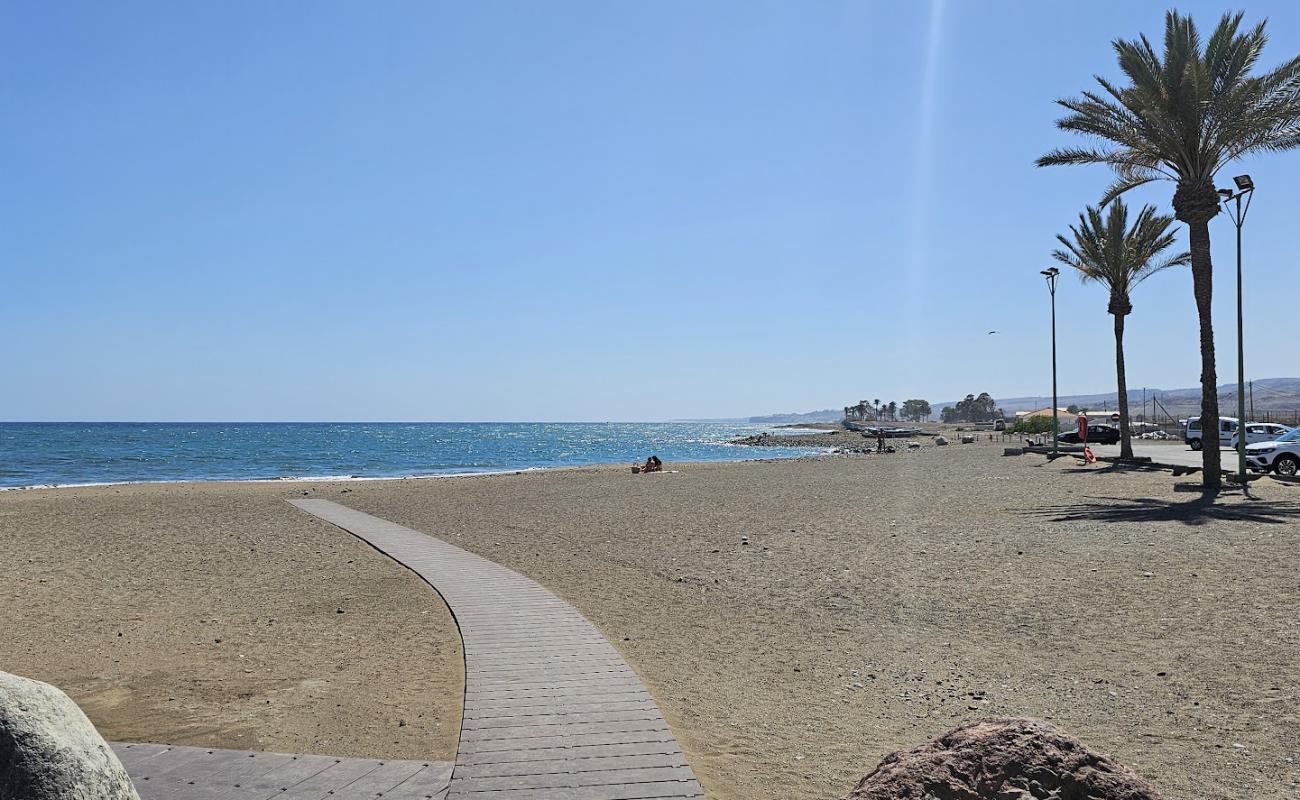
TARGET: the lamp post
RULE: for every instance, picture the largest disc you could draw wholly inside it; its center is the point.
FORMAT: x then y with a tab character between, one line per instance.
1051	274
1237	213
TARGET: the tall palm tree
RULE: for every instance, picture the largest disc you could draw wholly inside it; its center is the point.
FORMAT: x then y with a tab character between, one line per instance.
1119	257
1184	116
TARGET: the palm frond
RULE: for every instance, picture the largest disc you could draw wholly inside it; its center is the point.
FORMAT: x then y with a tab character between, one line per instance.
1111	251
1123	184
1185	112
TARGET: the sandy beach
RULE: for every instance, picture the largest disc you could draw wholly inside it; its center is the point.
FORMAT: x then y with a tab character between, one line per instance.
795	620
218	615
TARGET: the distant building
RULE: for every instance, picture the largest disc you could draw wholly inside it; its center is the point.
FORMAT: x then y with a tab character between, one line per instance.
1095	413
1043	412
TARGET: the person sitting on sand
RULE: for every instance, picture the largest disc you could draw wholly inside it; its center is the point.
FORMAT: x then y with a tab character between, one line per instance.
653	464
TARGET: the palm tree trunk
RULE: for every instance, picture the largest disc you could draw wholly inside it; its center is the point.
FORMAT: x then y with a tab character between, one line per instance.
1125	435
1203	288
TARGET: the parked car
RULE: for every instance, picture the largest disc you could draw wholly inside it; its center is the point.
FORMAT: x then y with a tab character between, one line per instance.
1193	435
1281	455
1257	432
1097	434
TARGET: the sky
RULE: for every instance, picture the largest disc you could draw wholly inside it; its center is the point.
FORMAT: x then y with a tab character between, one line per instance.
575	211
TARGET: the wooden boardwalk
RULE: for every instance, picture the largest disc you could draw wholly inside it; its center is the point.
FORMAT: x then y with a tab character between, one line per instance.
552	711
164	772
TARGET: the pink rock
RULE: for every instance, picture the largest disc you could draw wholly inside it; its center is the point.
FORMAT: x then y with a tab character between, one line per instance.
1002	759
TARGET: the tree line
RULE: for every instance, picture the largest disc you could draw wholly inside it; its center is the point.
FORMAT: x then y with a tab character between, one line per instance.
912	410
973	408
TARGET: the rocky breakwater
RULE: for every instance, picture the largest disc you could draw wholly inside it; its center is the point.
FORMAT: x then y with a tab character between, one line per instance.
840	441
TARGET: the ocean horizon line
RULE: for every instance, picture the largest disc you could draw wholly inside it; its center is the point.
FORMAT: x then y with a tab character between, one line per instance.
716	420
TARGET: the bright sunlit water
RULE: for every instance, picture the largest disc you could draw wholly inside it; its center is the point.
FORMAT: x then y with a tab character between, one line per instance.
36	454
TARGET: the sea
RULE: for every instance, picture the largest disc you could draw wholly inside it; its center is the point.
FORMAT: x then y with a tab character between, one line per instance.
88	453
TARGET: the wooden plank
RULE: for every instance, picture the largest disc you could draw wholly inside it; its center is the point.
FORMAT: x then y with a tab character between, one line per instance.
331	781
232	777
428	784
286	776
383	779
571	765
473	749
651	748
571	729
133	753
613	777
666	790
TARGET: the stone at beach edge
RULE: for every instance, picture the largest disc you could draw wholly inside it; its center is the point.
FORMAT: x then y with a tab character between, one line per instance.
1002	759
50	751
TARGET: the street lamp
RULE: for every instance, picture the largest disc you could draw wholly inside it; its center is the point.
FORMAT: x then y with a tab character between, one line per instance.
1051	274
1237	213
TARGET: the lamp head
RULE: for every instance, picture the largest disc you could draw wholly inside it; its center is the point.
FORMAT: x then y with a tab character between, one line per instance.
1226	193
1051	272
1244	183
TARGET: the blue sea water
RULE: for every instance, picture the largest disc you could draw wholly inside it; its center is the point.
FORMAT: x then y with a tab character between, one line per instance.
61	453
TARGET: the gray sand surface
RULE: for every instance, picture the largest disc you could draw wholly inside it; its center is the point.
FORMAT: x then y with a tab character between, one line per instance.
796	620
208	614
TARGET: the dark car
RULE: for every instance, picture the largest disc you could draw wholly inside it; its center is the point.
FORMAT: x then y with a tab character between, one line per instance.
1097	434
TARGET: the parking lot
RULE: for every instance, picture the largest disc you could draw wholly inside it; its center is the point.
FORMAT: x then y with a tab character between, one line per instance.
1173	452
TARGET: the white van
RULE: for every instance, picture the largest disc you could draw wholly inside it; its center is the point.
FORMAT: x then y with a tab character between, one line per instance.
1193	434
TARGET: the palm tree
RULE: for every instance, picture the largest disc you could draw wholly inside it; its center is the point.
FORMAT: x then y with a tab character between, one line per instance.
1182	118
1120	257
893	409
877	404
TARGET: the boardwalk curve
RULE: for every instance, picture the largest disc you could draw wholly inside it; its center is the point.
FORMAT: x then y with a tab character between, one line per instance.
552	711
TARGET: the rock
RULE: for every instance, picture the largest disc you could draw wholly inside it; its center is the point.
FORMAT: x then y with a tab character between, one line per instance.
940	441
968	438
1000	759
50	751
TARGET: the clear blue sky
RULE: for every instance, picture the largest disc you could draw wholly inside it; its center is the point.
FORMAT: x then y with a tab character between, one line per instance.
590	211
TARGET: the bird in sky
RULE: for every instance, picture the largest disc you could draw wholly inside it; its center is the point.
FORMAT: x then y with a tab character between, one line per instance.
992	332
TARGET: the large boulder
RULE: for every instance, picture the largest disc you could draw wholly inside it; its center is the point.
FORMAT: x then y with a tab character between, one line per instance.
50	751
1002	759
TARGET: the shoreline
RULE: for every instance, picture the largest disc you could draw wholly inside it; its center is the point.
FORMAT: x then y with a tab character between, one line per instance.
815	451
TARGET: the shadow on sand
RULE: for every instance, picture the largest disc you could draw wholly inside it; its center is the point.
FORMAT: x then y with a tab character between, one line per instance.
1189	512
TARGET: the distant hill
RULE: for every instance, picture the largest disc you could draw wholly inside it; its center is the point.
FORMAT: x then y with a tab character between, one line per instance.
825	415
1270	394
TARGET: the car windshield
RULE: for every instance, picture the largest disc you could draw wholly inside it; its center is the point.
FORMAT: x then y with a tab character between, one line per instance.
1292	435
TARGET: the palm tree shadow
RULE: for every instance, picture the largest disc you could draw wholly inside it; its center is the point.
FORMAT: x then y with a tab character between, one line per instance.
1198	511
